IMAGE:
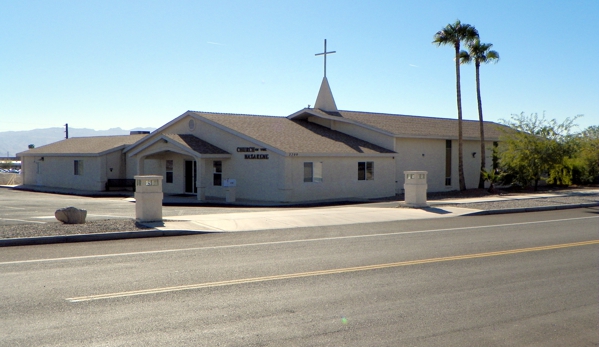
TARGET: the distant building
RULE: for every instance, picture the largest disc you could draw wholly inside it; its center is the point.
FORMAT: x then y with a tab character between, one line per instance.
10	163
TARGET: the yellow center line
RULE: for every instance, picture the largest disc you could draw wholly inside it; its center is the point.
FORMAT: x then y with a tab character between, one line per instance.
327	272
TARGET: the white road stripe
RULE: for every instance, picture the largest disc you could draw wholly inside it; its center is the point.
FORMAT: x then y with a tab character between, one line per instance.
399	233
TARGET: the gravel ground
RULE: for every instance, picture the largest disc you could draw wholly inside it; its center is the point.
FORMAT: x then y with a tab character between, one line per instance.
114	225
57	228
524	203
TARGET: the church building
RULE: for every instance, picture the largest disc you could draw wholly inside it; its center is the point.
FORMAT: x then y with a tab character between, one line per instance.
314	154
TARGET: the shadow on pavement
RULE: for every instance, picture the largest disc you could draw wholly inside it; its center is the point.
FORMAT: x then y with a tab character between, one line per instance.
436	210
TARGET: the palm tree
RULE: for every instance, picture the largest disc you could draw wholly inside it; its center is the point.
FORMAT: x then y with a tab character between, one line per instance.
479	53
454	34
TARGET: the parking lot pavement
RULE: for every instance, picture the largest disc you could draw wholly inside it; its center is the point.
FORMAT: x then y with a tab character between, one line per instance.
31	207
19	206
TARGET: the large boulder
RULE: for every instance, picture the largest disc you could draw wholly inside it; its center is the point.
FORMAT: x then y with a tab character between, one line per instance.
71	215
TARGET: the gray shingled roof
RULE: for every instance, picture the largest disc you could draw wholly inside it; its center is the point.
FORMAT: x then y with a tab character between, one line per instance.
415	126
85	145
196	144
294	136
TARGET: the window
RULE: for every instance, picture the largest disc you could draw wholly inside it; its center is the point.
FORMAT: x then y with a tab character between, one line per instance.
78	167
447	162
313	172
217	173
365	171
169	171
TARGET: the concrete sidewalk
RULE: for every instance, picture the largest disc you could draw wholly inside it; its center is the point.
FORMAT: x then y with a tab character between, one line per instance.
353	214
303	218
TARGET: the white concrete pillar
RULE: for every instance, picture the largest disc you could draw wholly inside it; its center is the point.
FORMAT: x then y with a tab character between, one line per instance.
148	198
415	188
201	194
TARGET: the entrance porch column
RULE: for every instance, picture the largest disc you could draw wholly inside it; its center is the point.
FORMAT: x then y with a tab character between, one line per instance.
200	182
140	164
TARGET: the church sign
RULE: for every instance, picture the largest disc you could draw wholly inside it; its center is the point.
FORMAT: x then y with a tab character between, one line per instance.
256	156
252	150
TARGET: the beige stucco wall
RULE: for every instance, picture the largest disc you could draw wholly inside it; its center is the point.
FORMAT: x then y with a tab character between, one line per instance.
429	155
340	179
472	165
116	162
422	155
256	178
320	121
28	170
58	172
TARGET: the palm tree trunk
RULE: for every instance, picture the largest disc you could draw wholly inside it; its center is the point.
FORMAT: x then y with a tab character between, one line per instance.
459	101
481	180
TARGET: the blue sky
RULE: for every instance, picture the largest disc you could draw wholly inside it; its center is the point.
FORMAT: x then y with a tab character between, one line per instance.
104	64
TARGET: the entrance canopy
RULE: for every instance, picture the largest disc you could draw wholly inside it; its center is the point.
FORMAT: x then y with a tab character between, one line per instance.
186	144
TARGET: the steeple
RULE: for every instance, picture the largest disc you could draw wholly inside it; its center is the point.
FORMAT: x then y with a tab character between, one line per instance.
325	100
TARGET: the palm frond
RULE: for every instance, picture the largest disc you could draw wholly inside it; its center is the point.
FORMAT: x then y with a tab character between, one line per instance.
481	52
465	57
454	34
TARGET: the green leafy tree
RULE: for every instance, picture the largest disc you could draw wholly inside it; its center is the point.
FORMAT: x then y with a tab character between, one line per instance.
453	35
479	53
535	148
493	177
586	168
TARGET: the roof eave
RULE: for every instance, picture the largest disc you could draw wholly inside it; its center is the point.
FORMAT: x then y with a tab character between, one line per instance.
337	154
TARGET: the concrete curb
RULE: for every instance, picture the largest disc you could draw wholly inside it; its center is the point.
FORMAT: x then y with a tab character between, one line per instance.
532	209
42	240
123	235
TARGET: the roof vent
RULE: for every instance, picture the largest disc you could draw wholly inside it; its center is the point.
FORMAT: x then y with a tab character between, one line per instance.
138	132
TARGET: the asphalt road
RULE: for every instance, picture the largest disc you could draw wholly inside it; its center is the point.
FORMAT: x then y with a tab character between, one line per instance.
526	279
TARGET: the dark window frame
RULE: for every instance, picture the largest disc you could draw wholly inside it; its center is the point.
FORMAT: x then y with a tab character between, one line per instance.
447	162
217	173
366	171
313	172
78	167
169	171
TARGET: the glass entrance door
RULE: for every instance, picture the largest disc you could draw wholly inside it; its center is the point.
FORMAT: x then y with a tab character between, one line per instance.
191	171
